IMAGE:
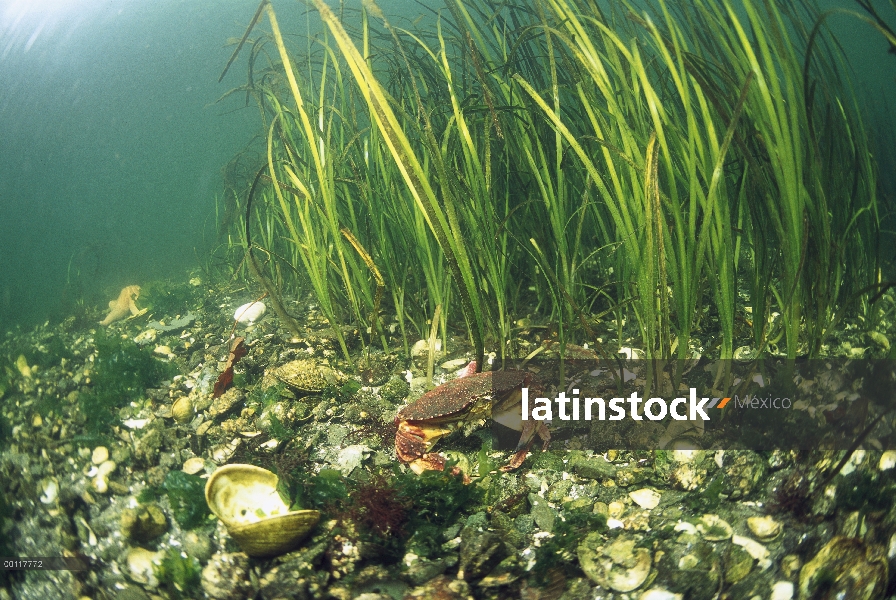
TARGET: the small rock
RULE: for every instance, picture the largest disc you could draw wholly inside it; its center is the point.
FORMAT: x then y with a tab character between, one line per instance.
351	457
845	568
615	509
143	523
782	590
887	460
542	512
226	577
420	570
594	467
738	564
480	552
100	455
226	402
140	566
198	546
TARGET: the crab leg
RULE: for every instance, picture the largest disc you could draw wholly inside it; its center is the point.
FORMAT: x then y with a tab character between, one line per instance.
527	438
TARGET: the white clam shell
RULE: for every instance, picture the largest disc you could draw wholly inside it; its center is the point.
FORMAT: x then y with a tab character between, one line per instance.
249	313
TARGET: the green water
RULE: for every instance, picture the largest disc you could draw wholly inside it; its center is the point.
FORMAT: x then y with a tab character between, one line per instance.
112	144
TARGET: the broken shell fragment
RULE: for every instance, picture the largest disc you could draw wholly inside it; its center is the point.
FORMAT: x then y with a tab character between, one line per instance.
193	465
754	549
887	460
246	500
618	565
714	528
49	491
645	498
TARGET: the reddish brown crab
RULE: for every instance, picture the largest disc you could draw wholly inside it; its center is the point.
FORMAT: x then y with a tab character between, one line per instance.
465	402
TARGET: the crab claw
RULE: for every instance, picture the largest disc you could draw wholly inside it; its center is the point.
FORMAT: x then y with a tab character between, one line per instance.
431	461
470	369
434	461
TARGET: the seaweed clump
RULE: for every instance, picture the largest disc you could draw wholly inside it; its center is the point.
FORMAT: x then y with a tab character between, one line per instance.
165	298
388	511
864	491
438	499
179	574
186	494
122	372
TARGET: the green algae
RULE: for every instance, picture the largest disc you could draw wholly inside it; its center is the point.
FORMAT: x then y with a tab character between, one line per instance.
122	371
861	490
179	574
165	298
186	494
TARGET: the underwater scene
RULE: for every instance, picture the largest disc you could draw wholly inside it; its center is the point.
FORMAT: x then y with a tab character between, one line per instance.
541	299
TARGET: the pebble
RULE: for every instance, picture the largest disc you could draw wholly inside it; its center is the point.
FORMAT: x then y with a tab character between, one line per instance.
100	484
615	509
782	590
49	490
887	460
645	498
660	594
100	455
140	564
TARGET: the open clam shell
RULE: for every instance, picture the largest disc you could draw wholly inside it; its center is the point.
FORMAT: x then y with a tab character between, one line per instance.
245	498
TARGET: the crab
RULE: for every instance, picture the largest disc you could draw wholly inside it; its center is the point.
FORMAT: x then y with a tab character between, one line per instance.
465	402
